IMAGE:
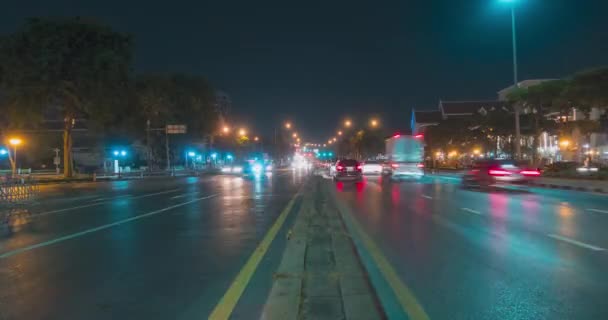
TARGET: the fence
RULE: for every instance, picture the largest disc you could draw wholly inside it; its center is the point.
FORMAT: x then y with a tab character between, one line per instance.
17	191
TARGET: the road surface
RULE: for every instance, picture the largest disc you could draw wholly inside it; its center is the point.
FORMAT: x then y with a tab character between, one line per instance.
505	254
143	249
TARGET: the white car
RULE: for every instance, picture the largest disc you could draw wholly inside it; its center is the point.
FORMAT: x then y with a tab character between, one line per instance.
372	167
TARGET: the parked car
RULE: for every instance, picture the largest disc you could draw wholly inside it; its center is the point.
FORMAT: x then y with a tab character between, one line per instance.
348	169
485	173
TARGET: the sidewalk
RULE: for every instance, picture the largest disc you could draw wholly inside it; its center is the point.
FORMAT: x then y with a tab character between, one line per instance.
320	275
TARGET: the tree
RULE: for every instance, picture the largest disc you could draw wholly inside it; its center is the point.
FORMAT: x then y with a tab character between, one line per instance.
588	89
78	68
174	99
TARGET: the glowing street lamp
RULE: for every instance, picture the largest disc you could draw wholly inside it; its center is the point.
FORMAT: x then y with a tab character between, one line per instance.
334	139
564	143
348	123
15	142
373	123
256	139
226	129
339	133
287	125
242	132
295	135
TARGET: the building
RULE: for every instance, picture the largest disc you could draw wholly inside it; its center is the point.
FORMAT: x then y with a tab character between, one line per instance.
420	120
457	109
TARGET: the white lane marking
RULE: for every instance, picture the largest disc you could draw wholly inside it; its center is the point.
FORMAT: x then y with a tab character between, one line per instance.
471	211
102	227
179	196
576	243
598	210
99	199
97	203
427	197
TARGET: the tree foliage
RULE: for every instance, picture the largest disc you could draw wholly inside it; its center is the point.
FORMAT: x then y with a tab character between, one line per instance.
71	67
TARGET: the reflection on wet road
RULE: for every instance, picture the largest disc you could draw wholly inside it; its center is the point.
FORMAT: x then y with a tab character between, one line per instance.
151	249
505	254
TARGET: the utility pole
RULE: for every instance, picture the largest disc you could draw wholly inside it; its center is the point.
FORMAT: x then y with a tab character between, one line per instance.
149	150
167	149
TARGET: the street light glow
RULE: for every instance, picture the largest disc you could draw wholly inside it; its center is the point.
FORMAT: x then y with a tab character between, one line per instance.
287	125
191	154
348	123
226	129
373	123
339	133
123	153
256	139
116	152
242	132
15	141
295	135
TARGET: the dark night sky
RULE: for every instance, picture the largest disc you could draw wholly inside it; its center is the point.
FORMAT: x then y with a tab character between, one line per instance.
315	61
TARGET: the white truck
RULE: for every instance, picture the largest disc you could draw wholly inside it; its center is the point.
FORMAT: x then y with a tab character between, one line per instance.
406	155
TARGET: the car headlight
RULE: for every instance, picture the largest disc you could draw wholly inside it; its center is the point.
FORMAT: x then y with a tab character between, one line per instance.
226	169
237	169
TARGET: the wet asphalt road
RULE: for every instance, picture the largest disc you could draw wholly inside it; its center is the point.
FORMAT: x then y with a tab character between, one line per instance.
506	254
148	249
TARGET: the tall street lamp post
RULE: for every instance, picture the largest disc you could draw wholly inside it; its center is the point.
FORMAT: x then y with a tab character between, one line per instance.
515	78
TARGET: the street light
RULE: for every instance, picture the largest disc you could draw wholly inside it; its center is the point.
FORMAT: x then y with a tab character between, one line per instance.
373	123
339	133
15	142
348	123
226	129
515	80
333	139
295	135
287	125
256	139
242	132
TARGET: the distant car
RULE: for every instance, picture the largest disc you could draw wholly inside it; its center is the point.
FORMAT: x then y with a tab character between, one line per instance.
485	173
348	169
232	169
372	167
403	170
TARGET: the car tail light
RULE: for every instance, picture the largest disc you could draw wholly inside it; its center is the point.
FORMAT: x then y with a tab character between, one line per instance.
419	136
394	165
498	172
420	165
359	167
339	168
532	173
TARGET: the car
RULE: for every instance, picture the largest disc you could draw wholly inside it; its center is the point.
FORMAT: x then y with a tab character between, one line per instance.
486	173
348	169
406	170
372	167
232	169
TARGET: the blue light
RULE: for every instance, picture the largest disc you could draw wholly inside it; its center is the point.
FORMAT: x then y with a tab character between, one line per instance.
116	152
191	154
330	154
3	151
229	157
123	153
214	155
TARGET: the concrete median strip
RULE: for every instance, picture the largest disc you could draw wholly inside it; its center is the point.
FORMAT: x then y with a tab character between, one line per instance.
320	275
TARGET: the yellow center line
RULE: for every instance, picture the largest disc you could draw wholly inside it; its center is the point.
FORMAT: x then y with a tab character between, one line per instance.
226	305
404	295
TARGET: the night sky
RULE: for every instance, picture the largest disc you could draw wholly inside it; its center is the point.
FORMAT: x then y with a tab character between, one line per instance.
316	61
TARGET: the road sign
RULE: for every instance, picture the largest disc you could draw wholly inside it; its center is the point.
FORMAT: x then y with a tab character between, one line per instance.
176	128
56	161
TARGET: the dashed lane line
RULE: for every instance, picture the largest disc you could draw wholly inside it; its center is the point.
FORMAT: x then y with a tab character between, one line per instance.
598	210
575	242
97	203
471	211
102	227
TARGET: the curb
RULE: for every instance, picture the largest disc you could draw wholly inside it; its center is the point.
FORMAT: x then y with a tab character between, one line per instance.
563	187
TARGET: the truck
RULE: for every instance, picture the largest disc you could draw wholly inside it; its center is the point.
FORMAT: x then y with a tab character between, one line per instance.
405	155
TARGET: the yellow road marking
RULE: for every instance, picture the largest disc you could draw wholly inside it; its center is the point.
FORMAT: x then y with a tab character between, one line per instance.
224	308
404	295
